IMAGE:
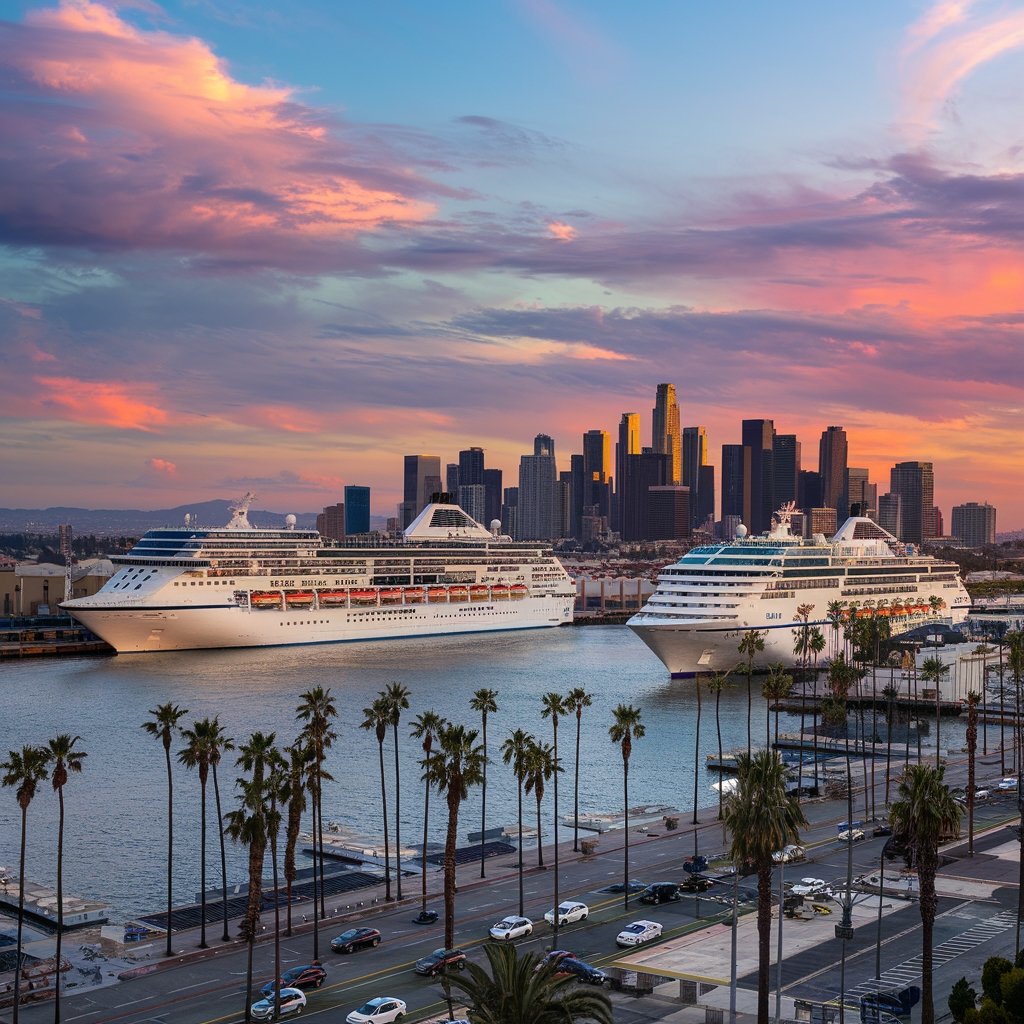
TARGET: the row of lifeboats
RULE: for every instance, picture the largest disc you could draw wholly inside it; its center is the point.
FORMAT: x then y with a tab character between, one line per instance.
888	611
374	596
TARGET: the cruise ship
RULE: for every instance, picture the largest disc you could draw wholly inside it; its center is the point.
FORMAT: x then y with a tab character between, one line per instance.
711	597
239	586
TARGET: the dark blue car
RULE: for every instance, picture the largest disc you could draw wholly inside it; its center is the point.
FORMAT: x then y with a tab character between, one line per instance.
309	976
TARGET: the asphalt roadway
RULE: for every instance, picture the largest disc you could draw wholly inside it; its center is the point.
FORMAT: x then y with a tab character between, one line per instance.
208	987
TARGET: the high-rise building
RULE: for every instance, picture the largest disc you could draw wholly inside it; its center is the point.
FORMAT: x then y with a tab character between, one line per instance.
858	492
785	469
889	514
808	490
538	476
822	520
597	470
563	505
832	454
628	443
705	496
974	524
642	472
694	459
451	478
331	522
472	499
669	512
758	437
735	472
422	480
471	466
914	482
357	510
577	495
492	499
510	512
665	436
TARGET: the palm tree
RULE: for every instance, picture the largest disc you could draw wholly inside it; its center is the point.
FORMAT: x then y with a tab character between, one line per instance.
485	702
762	819
973	699
278	790
317	710
696	755
775	688
518	989
456	765
397	697
163	727
575	701
295	800
552	707
378	717
65	759
514	751
934	671
751	645
248	826
197	754
817	646
425	727
540	768
890	693
23	771
924	814
626	727
219	743
835	612
716	684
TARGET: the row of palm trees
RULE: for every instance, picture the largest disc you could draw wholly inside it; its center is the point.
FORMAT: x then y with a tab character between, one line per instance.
24	771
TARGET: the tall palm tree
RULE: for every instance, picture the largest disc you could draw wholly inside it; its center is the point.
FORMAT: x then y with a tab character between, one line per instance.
552	707
23	771
65	759
751	645
575	701
377	717
197	754
515	989
716	684
933	670
317	710
278	790
397	696
817	647
540	768
220	742
514	751
485	702
452	768
247	825
425	727
626	727
923	814
973	699
696	754
775	688
762	819
834	612
890	693
295	800
163	726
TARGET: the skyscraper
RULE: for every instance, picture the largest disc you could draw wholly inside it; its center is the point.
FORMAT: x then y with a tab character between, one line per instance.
492	499
471	499
785	469
357	510
627	444
974	524
577	495
914	482
758	437
665	437
642	472
471	467
889	514
735	471
694	458
859	491
451	478
705	496
537	492
422	478
832	468
597	469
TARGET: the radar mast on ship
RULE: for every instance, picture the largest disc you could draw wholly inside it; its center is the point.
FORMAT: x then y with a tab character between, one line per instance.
240	513
782	519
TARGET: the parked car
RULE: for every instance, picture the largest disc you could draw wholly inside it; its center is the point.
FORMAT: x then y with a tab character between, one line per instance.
581	971
660	892
856	834
882	830
809	887
355	938
694	865
512	928
568	913
982	794
382	1010
789	854
439	961
293	1001
635	885
1007	783
696	883
638	932
310	976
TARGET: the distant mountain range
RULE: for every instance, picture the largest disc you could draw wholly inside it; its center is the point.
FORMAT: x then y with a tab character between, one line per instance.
133	521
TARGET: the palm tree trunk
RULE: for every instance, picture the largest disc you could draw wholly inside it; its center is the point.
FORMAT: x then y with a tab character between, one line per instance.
21	916
398	824
555	831
252	916
814	730
928	908
483	803
576	790
696	751
449	867
60	907
750	706
718	729
764	936
972	747
320	839
384	806
223	856
625	833
314	790
423	859
521	904
277	929
170	845
540	844
202	865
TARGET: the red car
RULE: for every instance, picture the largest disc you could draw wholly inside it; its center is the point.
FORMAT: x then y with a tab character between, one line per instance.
310	976
355	938
439	961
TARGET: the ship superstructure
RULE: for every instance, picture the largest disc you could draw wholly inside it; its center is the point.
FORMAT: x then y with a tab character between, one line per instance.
240	586
777	583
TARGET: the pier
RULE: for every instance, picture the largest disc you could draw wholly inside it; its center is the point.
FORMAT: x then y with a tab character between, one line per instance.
41	905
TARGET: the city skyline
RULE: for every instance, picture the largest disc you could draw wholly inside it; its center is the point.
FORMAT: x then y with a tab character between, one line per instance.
281	253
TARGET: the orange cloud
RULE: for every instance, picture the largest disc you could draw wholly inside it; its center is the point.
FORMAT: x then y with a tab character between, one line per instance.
162	466
128	406
563	232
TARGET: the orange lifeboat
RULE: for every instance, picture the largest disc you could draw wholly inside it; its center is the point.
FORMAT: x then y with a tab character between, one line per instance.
363	596
518	591
413	595
500	591
299	598
437	594
332	597
264	599
458	593
391	596
479	593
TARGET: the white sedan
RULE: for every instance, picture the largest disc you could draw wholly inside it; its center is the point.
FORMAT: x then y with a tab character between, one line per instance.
809	887
1007	783
568	913
855	834
637	932
382	1010
789	854
512	928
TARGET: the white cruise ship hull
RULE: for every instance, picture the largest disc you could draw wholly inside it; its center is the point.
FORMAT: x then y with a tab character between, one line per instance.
140	629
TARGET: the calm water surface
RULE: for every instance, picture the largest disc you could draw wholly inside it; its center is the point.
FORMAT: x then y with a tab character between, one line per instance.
116	810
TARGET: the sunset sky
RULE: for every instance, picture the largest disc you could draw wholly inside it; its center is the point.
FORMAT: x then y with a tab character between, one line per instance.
277	247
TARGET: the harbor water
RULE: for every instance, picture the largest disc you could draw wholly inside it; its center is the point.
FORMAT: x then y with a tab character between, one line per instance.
117	808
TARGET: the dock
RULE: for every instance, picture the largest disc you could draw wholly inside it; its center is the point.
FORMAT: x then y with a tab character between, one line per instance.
41	906
48	639
609	820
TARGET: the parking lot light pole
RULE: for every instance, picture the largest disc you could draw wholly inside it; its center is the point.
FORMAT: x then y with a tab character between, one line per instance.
778	966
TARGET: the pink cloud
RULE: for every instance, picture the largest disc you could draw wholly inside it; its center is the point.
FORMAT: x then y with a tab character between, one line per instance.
126	405
563	232
162	466
196	158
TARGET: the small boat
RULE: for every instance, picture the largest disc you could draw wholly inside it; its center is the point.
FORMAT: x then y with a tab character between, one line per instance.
479	593
413	595
392	596
437	594
458	593
519	591
299	598
265	599
500	591
332	597
363	596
